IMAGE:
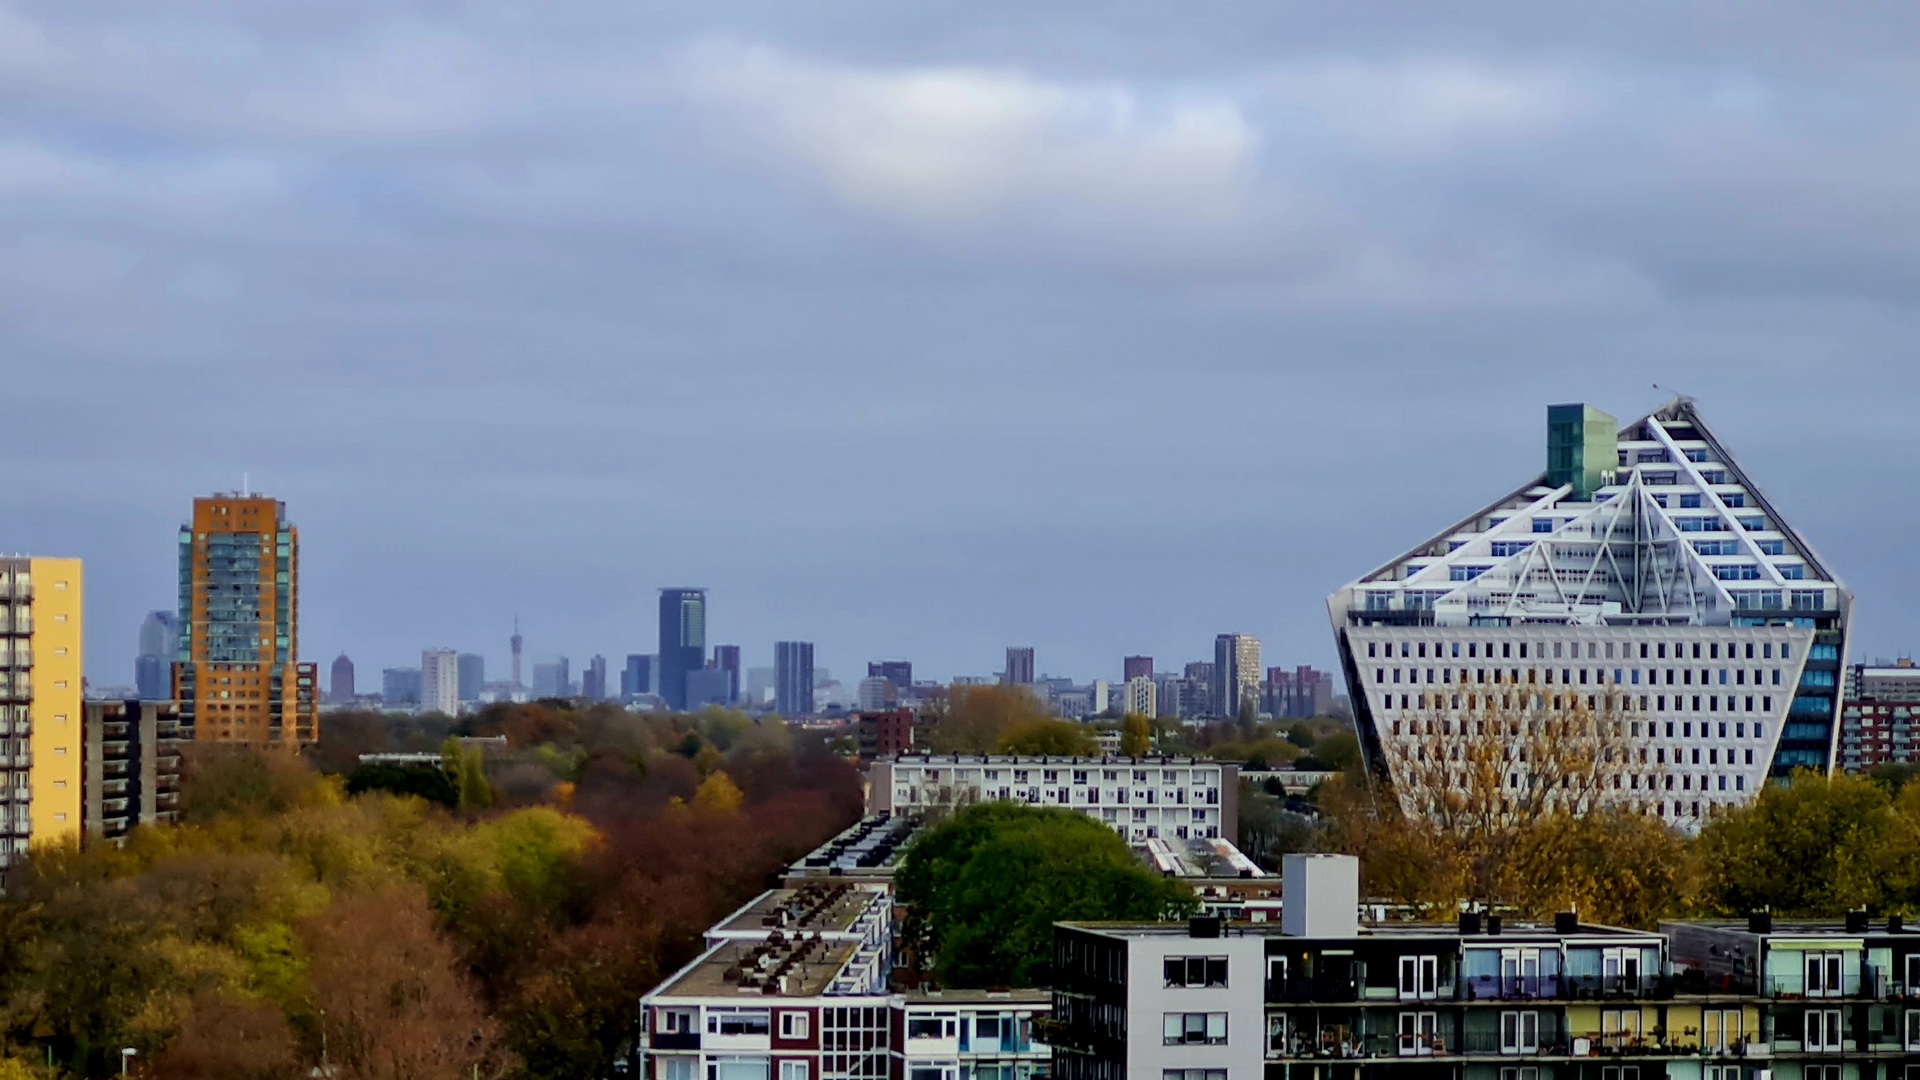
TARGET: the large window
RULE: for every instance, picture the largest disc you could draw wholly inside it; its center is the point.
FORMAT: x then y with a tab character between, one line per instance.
1519	1032
1419	1034
1419	978
738	1068
1195	1028
678	1069
1196	971
931	1027
794	1070
1823	974
1720	1030
1823	1030
738	1022
1193	1074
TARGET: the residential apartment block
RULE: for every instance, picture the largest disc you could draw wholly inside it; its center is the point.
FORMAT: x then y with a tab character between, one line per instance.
40	702
1140	798
1880	717
1321	997
238	676
794	986
131	762
1644	567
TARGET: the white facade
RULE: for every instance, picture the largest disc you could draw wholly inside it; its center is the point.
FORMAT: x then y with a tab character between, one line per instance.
1141	799
875	694
1141	697
440	681
1672	588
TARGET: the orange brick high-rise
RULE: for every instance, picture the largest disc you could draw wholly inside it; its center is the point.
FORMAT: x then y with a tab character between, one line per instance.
238	676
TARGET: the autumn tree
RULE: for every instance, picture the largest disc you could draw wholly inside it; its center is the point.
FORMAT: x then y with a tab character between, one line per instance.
1136	736
232	1038
1046	735
975	718
390	997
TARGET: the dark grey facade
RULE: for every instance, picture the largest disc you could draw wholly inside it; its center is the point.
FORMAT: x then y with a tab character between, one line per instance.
130	771
793	678
683	641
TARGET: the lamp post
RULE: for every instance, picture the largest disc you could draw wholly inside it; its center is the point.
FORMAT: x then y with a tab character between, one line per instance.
126	1055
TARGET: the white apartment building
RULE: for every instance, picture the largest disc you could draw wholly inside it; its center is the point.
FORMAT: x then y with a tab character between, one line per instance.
1140	696
1643	567
1140	798
440	681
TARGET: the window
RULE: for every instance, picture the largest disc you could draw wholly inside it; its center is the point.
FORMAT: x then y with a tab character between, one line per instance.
1520	971
1913	1029
1823	1029
1913	974
1419	1034
676	1021
737	1022
793	1070
930	1027
1820	1072
1542	525
1193	1074
1823	974
1620	1027
1419	978
1723	1072
1519	1032
931	1072
1524	1072
1195	1028
1689	502
1276	972
1620	969
1620	1072
1192	971
1720	1030
793	1025
737	1068
678	1069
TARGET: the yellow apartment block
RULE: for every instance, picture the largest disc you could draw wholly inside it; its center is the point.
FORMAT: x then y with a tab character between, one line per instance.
40	701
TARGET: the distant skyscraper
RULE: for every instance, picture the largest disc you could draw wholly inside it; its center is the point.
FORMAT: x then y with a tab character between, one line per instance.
153	666
793	678
1136	667
1236	673
727	658
440	681
238	676
897	672
876	693
515	643
1019	666
759	686
552	679
340	689
1141	697
1196	698
473	676
708	686
593	681
683	641
400	686
637	677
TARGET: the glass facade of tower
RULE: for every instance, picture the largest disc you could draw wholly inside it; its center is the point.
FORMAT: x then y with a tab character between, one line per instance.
683	641
237	673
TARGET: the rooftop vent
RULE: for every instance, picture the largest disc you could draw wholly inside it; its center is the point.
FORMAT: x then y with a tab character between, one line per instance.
1857	922
1760	922
1203	926
1469	922
1566	922
1493	925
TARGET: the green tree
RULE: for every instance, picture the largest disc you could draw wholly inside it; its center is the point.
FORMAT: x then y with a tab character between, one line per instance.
430	782
1819	846
986	888
1136	736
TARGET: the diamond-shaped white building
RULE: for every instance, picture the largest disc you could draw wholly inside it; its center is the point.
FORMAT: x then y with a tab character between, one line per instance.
1643	561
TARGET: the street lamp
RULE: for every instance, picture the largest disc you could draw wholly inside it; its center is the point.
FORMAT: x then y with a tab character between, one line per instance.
126	1055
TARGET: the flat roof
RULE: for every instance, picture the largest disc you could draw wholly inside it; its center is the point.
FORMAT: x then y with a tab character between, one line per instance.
745	969
824	906
1508	931
968	997
1793	927
1040	759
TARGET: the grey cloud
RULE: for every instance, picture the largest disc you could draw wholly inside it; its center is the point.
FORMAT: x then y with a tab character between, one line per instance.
924	329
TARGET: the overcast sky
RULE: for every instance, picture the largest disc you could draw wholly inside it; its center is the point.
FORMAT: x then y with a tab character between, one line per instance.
922	329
